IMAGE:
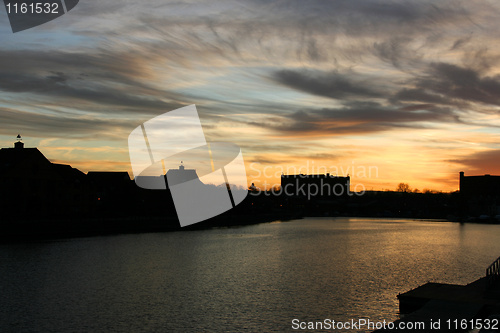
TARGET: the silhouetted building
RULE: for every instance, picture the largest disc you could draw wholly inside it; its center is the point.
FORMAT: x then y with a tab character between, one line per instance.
315	185
479	186
18	144
29	183
32	186
171	178
110	180
479	196
112	192
181	175
72	189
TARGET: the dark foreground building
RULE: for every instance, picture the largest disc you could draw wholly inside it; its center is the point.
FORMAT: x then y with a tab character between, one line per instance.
30	185
475	186
480	196
33	187
40	199
315	185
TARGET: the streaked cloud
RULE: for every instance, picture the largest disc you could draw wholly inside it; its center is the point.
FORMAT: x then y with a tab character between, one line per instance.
332	85
483	162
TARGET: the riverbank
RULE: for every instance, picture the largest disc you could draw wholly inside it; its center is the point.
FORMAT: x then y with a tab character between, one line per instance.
41	229
32	230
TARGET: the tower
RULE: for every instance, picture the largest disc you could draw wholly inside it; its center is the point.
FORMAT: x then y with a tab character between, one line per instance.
19	144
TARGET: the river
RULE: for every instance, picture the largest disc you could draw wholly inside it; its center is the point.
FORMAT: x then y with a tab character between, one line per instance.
255	278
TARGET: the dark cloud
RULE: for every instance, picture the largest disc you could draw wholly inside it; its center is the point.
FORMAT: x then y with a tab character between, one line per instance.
460	42
103	79
448	84
57	77
456	82
269	160
324	156
333	85
484	162
58	125
357	118
355	16
309	31
55	87
397	52
421	95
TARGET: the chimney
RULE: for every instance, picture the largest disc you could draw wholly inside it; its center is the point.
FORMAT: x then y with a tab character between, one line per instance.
460	181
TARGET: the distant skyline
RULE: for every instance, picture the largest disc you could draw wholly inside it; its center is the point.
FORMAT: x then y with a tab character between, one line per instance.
411	88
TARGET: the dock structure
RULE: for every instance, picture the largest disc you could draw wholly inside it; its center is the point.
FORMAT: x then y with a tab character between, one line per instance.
443	307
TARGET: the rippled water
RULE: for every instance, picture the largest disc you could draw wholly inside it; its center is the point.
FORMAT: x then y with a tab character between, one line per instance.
255	278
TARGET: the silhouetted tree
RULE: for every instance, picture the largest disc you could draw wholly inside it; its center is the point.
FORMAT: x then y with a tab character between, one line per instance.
403	187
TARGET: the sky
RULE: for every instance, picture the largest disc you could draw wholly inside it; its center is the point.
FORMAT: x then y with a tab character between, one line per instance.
385	91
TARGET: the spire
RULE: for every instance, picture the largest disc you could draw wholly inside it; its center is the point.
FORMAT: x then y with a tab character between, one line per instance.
19	144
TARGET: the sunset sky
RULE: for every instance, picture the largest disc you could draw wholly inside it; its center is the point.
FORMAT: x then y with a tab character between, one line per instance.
409	90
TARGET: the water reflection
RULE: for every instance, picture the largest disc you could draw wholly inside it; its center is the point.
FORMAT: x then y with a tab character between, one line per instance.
256	277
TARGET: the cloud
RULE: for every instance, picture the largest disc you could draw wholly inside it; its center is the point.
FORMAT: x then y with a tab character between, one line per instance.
356	118
270	159
460	42
460	83
397	52
421	95
100	79
333	85
307	31
484	162
57	125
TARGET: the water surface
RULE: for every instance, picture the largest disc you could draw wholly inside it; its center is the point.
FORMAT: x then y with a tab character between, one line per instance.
255	278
